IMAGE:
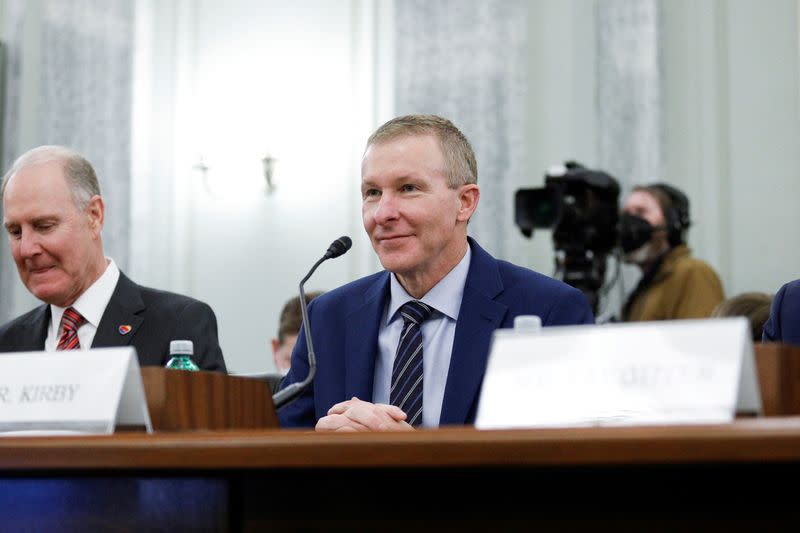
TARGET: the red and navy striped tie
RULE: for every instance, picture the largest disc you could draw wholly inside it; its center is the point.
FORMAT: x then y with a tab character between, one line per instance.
70	322
407	370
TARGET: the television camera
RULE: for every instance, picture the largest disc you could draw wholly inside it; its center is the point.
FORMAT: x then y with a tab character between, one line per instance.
581	207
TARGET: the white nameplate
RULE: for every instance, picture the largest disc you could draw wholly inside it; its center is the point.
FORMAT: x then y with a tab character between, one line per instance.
669	372
75	391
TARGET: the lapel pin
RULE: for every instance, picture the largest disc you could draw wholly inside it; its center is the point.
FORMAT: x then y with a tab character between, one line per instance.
124	329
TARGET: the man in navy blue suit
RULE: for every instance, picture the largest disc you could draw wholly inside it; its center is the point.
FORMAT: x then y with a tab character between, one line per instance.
383	365
783	324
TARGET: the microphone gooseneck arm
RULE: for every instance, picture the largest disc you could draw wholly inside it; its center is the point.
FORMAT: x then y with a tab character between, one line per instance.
292	391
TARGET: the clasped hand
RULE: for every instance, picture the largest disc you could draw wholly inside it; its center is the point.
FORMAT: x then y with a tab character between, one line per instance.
358	415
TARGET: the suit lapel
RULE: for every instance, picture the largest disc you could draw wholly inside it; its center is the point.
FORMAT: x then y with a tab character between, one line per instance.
122	311
478	317
34	331
361	341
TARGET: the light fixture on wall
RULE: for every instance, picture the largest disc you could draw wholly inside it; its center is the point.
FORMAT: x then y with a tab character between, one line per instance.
202	168
268	163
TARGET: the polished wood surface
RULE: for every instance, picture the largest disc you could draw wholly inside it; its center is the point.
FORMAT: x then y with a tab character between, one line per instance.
209	400
744	441
180	400
778	368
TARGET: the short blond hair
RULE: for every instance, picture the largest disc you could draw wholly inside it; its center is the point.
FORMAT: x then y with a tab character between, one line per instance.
461	167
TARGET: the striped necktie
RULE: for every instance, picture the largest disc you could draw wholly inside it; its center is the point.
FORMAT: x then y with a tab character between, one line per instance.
406	391
70	322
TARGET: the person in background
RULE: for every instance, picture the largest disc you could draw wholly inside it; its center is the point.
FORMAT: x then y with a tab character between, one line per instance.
289	323
783	324
408	347
674	285
752	305
53	212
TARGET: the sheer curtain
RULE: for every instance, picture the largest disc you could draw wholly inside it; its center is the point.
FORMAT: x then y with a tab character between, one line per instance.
629	110
466	62
69	81
629	103
470	61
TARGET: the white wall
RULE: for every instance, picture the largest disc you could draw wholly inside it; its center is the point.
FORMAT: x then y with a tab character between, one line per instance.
732	130
764	143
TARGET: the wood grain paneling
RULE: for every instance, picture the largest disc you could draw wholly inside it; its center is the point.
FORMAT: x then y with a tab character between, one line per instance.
181	400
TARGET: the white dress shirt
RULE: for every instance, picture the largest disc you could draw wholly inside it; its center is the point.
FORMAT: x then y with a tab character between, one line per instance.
91	305
438	333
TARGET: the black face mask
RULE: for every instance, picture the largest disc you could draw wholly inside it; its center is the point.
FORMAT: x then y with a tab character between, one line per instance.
633	231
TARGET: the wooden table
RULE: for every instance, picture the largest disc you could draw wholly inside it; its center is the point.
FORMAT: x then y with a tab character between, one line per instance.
730	477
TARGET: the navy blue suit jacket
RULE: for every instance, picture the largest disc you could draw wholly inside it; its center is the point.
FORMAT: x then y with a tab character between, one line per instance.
784	317
156	317
345	323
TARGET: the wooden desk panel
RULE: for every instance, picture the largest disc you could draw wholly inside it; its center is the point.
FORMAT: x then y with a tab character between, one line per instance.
628	479
744	441
184	401
778	367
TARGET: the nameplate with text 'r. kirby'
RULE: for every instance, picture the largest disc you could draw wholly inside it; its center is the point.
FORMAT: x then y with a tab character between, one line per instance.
76	391
668	372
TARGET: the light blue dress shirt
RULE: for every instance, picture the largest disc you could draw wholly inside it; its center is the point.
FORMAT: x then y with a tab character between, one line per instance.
438	333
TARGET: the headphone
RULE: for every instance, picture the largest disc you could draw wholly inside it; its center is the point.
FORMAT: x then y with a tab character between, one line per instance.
677	216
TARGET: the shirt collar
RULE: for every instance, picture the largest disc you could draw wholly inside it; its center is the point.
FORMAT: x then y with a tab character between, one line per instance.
92	303
445	296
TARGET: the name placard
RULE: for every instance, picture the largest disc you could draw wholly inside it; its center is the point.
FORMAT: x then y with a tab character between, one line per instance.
76	391
670	372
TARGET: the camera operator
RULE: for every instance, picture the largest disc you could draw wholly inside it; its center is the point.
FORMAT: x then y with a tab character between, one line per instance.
674	285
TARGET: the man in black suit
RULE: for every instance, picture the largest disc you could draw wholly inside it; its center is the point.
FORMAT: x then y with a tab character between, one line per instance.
53	213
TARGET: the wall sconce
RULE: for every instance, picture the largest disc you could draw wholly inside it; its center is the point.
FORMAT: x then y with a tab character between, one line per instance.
202	168
269	167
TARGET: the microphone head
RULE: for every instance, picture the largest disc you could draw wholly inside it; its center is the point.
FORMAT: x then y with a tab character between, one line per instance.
339	247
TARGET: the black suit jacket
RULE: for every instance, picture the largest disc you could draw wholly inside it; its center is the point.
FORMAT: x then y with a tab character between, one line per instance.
155	317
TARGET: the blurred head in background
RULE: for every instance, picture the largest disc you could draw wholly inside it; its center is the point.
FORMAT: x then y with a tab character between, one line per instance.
289	324
754	306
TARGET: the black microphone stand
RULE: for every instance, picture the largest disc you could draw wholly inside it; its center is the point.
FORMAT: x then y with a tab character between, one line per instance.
292	391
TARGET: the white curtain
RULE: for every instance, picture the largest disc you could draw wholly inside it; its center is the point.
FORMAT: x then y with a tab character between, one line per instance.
628	90
629	110
69	81
468	61
465	60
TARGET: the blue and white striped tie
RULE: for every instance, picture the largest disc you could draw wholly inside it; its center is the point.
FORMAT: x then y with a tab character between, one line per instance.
406	391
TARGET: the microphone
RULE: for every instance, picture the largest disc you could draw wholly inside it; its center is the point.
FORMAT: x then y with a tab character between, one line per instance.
291	392
337	248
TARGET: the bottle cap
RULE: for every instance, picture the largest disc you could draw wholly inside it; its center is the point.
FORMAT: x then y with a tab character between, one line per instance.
527	324
181	347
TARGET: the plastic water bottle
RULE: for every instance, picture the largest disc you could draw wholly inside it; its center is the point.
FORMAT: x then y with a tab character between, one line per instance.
180	355
527	324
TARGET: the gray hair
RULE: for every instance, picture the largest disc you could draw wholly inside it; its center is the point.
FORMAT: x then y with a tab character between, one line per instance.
80	174
458	154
